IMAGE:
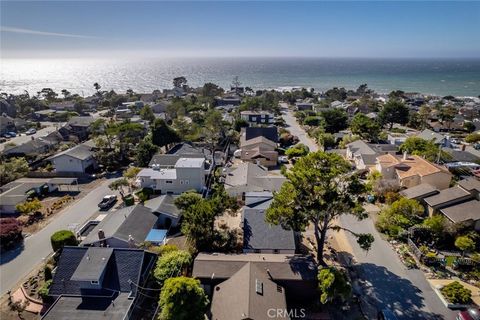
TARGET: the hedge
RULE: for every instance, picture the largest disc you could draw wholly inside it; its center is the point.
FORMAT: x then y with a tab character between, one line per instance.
63	238
10	233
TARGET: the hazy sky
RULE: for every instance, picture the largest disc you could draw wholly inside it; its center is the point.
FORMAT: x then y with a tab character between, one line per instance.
325	29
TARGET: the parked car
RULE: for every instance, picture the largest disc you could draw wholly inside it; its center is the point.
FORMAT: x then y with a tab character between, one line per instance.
470	314
31	131
283	159
6	135
12	134
107	201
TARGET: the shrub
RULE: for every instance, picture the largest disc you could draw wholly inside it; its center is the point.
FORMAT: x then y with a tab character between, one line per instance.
298	150
312	121
391	197
456	293
10	233
332	283
129	200
45	289
171	264
63	238
472	138
47	273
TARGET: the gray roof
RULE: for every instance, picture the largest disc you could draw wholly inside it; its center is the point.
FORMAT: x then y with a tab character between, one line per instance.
81	152
258	200
470	184
135	221
258	234
169	160
81	121
383	147
189	149
465	211
254	178
89	308
16	192
93	264
429	135
270	133
360	147
459	155
282	267
165	204
445	196
420	191
248	294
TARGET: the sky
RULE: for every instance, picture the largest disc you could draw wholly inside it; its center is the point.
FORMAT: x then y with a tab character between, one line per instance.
387	29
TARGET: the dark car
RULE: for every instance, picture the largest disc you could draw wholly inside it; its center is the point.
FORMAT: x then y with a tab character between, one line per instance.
107	201
386	314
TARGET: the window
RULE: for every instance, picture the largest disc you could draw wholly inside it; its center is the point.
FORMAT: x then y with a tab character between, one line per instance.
256	250
169	181
187	181
276	251
94	282
181	181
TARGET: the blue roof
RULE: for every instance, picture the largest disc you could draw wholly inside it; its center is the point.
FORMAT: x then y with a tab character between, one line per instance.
156	235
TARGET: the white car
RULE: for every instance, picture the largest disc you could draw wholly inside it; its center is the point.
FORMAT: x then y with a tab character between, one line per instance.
107	201
283	159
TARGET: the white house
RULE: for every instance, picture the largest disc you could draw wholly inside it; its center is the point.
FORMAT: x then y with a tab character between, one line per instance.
79	159
187	174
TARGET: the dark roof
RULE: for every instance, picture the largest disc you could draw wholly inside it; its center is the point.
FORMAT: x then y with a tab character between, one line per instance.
270	133
89	308
281	267
258	199
169	160
187	148
465	211
461	156
420	191
124	265
258	234
448	195
248	294
93	264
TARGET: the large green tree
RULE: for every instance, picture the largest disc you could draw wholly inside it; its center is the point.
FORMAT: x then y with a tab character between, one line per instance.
335	120
162	134
394	111
13	169
182	298
145	151
365	127
320	187
424	148
333	283
171	264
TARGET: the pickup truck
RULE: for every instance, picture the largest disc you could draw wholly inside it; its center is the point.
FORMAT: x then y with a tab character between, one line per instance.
107	201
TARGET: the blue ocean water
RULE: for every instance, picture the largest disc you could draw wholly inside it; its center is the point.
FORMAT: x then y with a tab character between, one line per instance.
459	77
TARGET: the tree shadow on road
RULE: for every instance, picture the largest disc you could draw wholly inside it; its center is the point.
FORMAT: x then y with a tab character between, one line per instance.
11	254
387	290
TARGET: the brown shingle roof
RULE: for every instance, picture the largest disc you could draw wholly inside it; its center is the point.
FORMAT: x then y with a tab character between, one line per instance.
465	211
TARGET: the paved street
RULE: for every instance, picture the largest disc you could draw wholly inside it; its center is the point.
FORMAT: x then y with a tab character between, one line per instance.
24	138
17	264
386	282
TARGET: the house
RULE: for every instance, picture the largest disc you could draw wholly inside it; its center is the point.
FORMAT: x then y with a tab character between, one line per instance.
77	128
35	146
62	106
459	204
248	177
364	154
258	145
257	117
169	216
6	124
95	283
124	228
79	159
227	101
436	137
261	237
419	192
186	174
460	155
48	114
250	293
160	107
296	274
303	106
410	171
123	112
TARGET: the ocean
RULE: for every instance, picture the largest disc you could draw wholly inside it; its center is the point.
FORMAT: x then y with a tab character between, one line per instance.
458	77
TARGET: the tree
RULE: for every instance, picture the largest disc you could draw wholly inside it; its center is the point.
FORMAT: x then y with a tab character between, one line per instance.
213	128
10	233
119	185
62	238
456	293
131	172
66	94
211	90
393	112
146	113
182	298
313	121
333	283
187	199
447	114
436	224
13	169
327	140
162	134
465	244
145	151
424	148
400	216
29	207
334	120
472	137
335	93
298	150
320	187
197	225
469	127
48	94
97	86
365	127
179	82
171	264
423	116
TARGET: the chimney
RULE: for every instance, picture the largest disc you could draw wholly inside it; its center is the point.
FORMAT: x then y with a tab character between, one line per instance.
405	157
101	234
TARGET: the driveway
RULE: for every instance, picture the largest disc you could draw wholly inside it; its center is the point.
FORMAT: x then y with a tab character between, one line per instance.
384	279
15	265
24	138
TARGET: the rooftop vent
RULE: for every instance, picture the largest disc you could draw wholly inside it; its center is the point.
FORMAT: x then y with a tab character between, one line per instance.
258	287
